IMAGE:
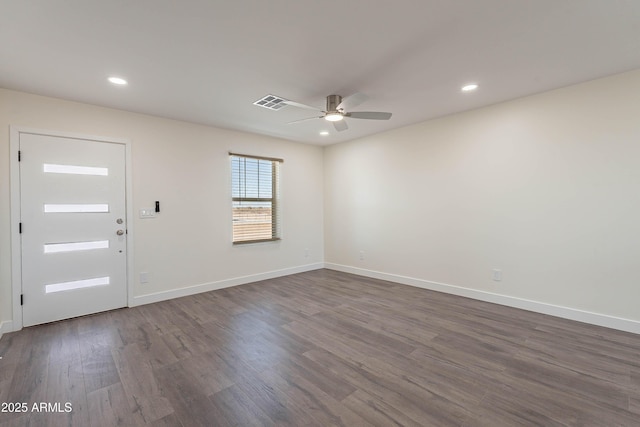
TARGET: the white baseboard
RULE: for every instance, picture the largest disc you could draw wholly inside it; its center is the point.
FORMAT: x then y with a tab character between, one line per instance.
212	286
607	321
5	327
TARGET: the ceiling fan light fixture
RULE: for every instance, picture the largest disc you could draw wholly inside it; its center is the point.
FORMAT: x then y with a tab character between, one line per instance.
334	117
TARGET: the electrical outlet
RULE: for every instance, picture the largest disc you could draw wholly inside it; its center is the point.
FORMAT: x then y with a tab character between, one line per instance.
306	253
361	255
496	274
144	277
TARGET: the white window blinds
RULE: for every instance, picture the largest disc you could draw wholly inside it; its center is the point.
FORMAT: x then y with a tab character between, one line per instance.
255	198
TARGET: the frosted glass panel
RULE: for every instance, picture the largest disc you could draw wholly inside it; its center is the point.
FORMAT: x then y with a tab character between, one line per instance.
51	248
76	170
80	208
78	284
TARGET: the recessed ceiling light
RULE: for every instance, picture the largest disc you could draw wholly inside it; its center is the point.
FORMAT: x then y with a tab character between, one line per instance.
324	132
118	81
470	87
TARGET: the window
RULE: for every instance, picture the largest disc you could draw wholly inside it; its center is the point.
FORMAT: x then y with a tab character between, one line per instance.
255	192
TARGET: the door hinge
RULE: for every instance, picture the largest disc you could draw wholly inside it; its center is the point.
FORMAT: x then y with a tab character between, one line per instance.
19	155
21	299
20	228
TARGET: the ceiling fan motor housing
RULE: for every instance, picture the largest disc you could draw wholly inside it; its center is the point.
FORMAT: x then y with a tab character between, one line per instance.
332	103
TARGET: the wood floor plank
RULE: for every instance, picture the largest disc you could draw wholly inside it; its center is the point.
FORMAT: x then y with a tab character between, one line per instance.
596	350
29	380
485	350
208	371
635	379
166	316
98	367
287	341
412	400
65	385
410	333
447	385
189	341
97	329
381	340
221	302
534	371
233	408
541	404
245	324
344	344
108	406
139	384
430	323
201	310
282	408
377	411
155	351
188	400
276	313
168	421
251	350
322	348
11	350
324	409
460	357
634	405
65	347
131	326
14	420
585	362
304	369
4	391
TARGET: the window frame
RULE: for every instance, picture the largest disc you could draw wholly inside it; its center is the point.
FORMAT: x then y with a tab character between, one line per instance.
274	200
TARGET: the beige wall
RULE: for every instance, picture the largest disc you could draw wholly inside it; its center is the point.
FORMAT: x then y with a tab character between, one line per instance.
186	168
545	188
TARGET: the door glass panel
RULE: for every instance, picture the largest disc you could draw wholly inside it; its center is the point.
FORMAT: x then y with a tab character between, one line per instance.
51	248
78	284
76	170
79	208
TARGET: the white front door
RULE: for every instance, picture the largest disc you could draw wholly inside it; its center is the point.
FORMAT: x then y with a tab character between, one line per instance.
73	227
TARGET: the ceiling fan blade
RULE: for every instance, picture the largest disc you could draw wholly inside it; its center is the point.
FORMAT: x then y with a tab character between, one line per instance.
352	101
297	104
371	115
304	120
340	125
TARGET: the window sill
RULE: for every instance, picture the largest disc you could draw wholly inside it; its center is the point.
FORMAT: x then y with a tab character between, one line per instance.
249	242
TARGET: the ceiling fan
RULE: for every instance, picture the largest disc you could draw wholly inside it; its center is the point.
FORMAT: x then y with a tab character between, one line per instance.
336	110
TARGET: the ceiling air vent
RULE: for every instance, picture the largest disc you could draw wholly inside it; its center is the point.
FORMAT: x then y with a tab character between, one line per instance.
271	102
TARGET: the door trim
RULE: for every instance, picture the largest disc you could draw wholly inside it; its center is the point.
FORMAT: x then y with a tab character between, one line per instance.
16	244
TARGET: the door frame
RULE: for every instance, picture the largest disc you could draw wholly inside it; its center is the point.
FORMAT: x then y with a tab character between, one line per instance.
16	242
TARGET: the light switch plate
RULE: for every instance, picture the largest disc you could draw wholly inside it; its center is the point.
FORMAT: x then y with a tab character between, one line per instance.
147	213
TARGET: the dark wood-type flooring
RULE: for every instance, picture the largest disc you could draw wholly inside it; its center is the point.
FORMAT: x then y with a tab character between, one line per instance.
322	349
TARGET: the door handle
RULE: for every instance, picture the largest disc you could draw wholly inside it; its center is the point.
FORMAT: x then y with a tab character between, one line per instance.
120	232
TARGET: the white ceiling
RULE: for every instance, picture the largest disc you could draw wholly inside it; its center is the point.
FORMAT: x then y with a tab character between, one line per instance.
206	61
